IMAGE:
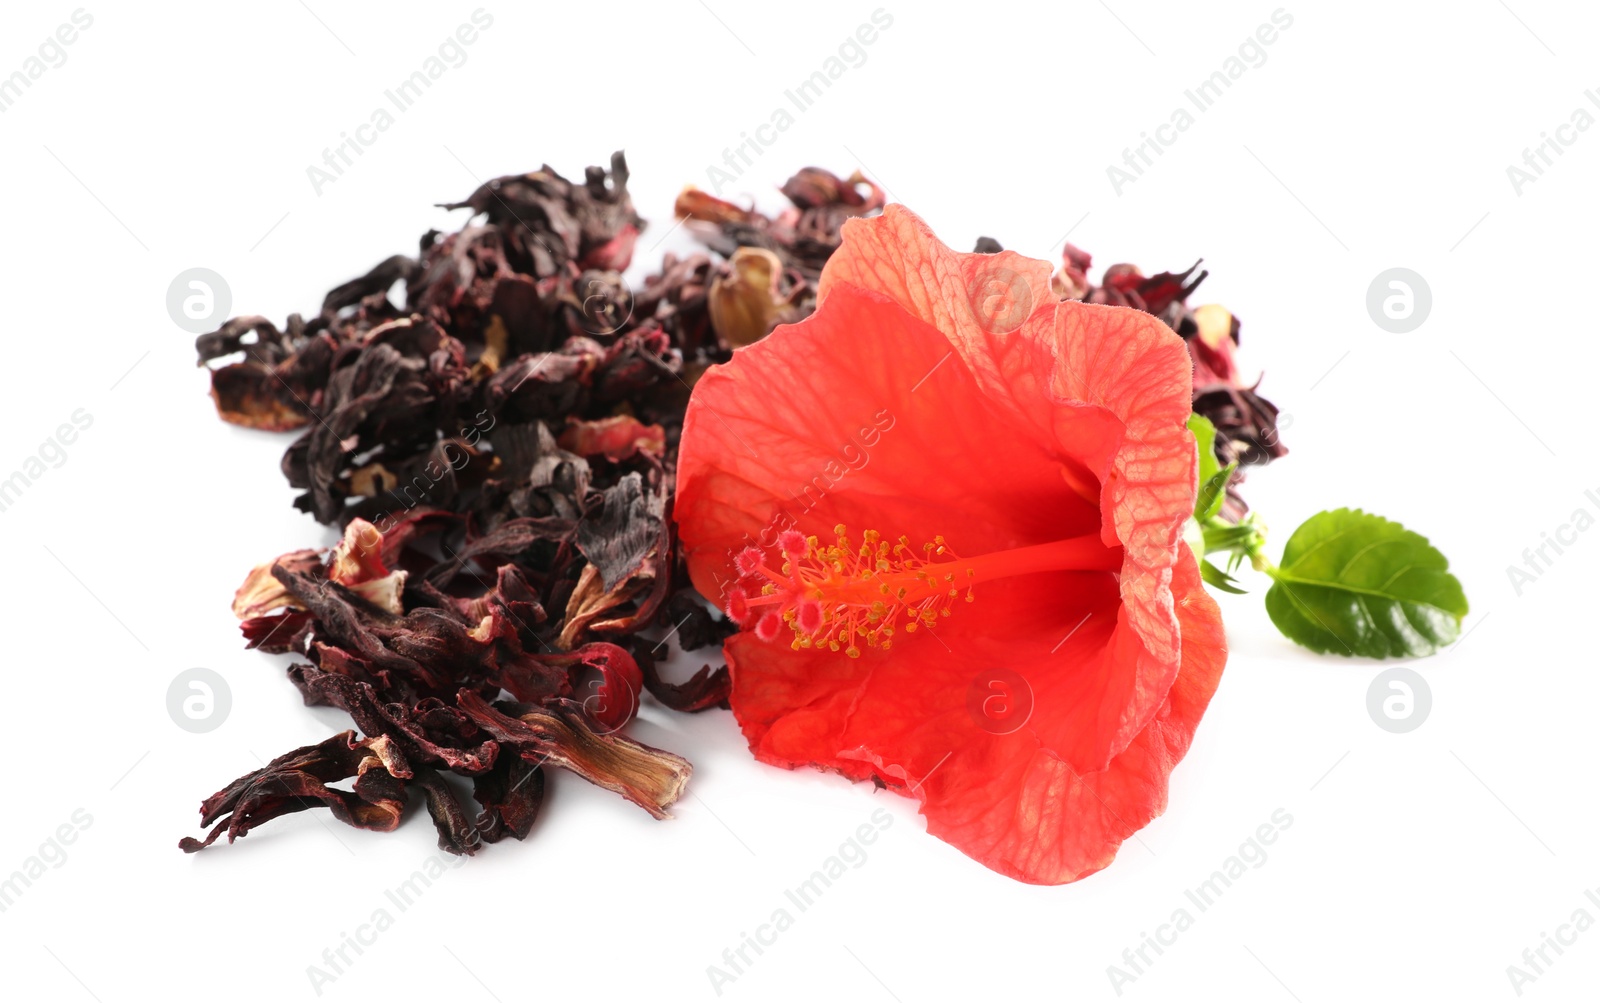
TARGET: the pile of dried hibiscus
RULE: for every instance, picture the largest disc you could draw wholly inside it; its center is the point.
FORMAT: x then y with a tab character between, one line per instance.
495	426
497	439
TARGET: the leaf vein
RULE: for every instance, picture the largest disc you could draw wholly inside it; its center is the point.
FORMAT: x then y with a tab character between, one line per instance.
1284	576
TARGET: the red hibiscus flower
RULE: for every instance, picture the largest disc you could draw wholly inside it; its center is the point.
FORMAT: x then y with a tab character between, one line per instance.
948	509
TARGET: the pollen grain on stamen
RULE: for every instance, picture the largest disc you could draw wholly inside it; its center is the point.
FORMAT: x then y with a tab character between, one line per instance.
850	593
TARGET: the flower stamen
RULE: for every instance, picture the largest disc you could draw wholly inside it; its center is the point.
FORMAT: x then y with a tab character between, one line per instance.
847	593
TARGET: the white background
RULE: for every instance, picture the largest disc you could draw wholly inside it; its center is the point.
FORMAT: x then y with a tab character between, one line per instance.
1418	866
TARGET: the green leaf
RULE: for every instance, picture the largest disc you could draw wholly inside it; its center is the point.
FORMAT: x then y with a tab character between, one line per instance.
1219	579
1205	439
1213	493
1353	583
1239	538
1213	479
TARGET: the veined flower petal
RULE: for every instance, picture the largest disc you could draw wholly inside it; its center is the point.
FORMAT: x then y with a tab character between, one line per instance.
1034	454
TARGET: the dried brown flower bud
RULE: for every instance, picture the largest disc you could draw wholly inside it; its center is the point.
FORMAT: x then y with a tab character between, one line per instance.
1212	346
748	302
1071	280
815	188
695	204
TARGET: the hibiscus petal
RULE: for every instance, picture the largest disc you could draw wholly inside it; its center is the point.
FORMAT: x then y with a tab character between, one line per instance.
1009	801
1052	631
941	459
1003	419
1032	355
946	465
1026	813
966	296
864	417
1138	369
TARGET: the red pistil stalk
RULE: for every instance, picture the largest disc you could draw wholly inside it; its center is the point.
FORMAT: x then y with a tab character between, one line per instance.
834	595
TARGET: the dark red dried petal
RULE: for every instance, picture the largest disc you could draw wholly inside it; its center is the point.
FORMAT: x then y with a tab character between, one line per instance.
703	690
299	780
